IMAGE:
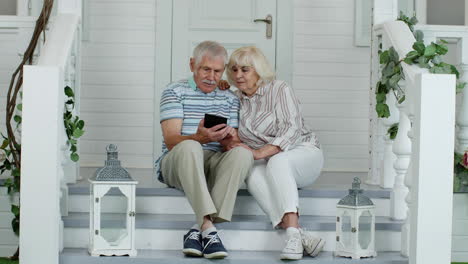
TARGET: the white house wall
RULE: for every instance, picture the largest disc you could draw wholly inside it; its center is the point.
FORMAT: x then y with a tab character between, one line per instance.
118	80
330	76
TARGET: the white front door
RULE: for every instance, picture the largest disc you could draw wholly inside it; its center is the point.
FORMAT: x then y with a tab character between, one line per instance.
228	22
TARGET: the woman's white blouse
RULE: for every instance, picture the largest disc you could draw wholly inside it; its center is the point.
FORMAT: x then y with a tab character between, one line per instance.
273	116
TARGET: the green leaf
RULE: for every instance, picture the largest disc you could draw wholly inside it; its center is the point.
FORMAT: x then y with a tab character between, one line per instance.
78	133
393	131
388	70
70	102
408	61
393	82
73	148
454	70
384	57
413	20
4	144
15	210
15	225
423	62
419	35
393	55
382	110
402	99
419	47
443	41
19	107
15	172
69	92
74	157
81	124
17	119
412	54
437	60
430	50
460	86
381	97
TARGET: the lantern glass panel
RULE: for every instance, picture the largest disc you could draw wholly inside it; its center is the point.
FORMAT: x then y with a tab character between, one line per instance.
365	222
114	216
346	229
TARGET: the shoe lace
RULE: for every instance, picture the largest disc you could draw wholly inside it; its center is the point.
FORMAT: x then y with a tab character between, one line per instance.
292	242
212	239
194	236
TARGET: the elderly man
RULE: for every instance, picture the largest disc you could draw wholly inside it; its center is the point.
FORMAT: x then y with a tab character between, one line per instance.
192	159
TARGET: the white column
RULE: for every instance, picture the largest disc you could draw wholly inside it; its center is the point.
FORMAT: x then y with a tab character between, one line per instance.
462	116
388	173
421	11
402	149
40	184
22	7
431	216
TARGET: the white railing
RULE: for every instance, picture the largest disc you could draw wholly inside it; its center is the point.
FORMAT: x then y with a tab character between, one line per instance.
46	167
423	168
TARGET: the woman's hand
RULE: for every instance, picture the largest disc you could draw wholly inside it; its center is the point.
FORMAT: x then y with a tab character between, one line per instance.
223	85
255	152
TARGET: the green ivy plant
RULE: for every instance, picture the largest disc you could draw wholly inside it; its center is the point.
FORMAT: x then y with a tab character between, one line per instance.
8	165
460	179
73	124
429	57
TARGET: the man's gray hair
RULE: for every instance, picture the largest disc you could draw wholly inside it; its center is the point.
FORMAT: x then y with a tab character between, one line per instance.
212	49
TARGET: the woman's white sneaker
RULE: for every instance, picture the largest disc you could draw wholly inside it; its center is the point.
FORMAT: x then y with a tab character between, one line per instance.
293	249
312	245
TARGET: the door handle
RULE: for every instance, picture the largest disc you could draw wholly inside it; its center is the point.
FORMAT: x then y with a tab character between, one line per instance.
269	25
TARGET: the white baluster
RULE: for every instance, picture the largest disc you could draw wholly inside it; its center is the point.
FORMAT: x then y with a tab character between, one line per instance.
462	115
388	173
402	149
409	109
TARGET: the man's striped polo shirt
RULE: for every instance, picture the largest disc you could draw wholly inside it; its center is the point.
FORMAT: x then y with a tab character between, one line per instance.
184	100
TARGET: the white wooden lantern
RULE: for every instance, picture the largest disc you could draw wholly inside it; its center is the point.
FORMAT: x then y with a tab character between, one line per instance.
112	209
355	225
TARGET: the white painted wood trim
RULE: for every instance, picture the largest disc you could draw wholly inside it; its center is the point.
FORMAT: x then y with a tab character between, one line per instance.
162	65
421	11
284	49
40	156
466	12
431	215
22	8
163	54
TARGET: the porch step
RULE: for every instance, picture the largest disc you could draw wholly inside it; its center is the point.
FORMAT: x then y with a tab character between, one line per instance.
317	200
253	233
80	256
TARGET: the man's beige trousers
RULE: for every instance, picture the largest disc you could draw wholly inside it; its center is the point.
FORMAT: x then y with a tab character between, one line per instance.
209	179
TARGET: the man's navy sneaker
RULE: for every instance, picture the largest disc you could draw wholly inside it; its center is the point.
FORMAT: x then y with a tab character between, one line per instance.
193	244
213	247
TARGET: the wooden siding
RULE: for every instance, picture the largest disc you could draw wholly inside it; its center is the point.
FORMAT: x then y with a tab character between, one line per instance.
117	81
331	77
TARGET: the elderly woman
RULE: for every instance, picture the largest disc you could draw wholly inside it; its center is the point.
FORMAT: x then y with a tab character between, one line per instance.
287	154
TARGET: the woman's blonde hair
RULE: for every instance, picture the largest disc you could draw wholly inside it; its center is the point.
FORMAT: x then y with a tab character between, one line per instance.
253	57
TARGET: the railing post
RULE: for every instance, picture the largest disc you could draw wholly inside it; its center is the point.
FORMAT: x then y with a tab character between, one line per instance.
40	183
402	149
431	221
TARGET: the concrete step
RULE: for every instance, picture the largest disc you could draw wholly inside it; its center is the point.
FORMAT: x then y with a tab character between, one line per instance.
317	200
252	233
80	256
